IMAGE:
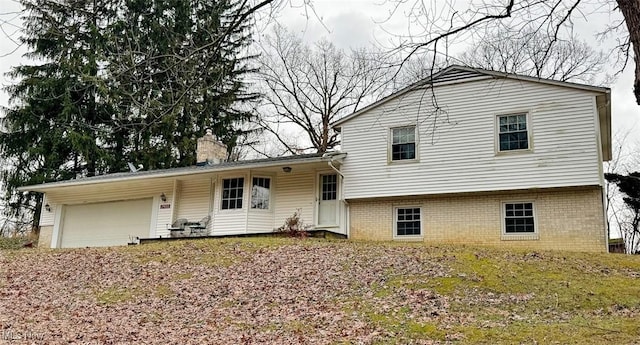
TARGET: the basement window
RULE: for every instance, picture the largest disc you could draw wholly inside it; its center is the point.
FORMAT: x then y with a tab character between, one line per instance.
407	222
519	218
232	191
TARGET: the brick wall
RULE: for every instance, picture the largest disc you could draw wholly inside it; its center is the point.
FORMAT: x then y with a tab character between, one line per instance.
44	239
210	150
566	219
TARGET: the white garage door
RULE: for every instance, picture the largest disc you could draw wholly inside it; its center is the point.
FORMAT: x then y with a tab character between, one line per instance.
105	224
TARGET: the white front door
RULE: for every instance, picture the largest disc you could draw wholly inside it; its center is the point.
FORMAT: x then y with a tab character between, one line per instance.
328	200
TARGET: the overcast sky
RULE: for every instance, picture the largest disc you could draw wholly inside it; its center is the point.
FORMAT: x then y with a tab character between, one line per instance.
356	23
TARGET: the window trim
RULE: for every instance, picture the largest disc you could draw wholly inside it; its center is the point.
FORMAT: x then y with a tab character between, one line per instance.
222	193
268	209
416	142
336	183
395	223
496	128
506	236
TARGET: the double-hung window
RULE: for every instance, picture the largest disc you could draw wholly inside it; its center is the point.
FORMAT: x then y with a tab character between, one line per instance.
403	143
261	193
408	222
513	132
232	192
519	218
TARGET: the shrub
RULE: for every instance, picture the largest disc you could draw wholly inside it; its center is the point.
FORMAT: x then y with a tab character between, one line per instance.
16	242
294	226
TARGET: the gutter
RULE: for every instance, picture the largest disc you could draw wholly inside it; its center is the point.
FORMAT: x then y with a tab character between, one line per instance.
333	157
330	162
161	174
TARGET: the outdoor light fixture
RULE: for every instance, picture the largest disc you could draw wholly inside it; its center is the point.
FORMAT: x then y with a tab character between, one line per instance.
47	207
163	197
286	169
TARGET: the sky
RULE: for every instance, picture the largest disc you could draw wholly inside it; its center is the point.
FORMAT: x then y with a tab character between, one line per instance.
357	23
349	23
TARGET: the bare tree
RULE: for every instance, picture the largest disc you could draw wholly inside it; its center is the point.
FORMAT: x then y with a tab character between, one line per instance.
525	52
620	217
629	187
415	69
307	88
434	26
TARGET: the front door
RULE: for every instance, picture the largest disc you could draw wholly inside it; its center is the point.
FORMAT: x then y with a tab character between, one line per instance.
328	200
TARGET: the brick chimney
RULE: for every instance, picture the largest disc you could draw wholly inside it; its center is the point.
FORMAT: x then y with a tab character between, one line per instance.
210	150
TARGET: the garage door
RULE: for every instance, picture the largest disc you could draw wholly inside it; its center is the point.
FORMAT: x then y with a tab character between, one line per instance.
105	224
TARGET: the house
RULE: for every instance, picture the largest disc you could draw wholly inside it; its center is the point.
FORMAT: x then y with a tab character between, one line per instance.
482	157
467	156
617	245
241	197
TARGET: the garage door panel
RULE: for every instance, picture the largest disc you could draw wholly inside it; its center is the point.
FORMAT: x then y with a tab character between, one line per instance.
105	224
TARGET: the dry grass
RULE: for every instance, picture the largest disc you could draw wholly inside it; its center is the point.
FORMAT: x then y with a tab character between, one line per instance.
316	291
17	242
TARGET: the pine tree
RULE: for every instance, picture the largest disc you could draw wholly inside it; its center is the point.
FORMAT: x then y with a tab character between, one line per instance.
178	83
629	185
120	81
50	133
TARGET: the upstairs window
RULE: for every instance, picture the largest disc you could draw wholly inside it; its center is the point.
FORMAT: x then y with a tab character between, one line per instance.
232	191
403	143
261	193
513	132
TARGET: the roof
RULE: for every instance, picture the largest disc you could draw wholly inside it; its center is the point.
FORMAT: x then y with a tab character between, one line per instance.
190	170
458	74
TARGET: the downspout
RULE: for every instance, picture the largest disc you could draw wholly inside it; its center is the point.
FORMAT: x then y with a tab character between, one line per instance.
344	201
335	169
603	183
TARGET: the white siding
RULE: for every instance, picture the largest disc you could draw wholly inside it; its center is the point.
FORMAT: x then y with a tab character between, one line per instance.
290	192
47	217
124	190
457	153
177	185
164	217
260	220
295	190
228	222
193	203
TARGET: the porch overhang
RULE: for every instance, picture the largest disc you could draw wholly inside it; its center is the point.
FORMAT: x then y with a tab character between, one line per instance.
102	183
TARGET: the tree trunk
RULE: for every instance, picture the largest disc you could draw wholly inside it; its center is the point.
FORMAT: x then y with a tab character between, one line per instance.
631	11
36	215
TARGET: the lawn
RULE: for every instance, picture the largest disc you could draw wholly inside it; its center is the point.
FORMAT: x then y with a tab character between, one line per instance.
314	291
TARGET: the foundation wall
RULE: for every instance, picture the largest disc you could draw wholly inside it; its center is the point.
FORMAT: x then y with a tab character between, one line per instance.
566	219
